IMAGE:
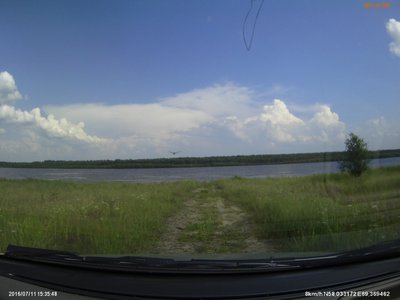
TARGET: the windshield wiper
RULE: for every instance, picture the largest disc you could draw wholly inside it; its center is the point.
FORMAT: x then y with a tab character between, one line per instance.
144	263
37	253
377	251
193	264
384	250
154	264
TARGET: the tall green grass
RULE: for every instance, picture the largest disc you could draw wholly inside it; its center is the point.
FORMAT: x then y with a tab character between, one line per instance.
327	212
98	218
314	213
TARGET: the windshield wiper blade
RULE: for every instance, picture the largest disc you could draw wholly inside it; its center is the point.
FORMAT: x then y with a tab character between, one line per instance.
37	253
144	263
193	264
384	250
379	251
205	264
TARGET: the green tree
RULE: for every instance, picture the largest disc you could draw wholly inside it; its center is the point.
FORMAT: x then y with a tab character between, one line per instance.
356	156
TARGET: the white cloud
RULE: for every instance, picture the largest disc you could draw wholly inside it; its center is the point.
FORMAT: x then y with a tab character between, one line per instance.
220	117
278	125
281	125
326	126
278	114
33	131
8	89
151	129
238	127
325	117
216	120
146	121
217	100
22	142
50	125
393	29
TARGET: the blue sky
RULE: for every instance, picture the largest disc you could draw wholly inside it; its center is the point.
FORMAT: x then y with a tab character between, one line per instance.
133	79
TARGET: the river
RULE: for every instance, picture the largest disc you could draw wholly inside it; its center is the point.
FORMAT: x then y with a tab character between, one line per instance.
173	174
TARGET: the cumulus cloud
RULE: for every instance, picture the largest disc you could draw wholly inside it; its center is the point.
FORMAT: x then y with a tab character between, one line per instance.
216	120
8	89
325	117
51	126
164	124
28	120
278	114
393	29
278	124
326	125
220	117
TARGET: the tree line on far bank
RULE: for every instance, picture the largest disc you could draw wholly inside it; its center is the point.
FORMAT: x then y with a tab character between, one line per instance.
212	161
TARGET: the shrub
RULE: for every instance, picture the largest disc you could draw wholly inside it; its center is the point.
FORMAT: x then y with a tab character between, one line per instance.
355	161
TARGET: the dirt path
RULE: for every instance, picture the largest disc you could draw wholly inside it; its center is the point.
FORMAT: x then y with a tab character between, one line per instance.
207	224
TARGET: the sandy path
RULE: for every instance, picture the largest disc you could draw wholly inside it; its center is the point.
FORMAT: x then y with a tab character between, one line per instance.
232	231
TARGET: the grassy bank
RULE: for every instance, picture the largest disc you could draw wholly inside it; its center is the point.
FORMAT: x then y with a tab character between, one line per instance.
321	212
88	218
313	213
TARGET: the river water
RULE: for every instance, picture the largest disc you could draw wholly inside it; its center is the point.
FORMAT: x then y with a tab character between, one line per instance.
173	174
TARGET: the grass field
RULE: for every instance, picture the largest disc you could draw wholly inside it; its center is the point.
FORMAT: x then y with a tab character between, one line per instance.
312	213
322	212
99	218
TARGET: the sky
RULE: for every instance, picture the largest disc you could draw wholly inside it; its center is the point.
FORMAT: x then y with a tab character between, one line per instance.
141	79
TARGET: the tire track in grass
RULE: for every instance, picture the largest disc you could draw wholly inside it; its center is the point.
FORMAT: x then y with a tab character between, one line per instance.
208	224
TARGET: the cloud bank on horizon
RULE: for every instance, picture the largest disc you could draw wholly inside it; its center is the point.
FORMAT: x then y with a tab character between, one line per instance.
222	119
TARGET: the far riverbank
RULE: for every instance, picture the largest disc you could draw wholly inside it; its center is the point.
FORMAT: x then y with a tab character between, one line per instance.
178	174
191	162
